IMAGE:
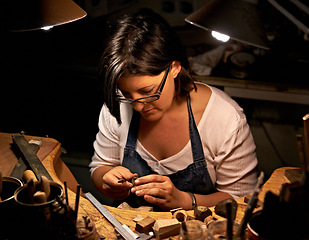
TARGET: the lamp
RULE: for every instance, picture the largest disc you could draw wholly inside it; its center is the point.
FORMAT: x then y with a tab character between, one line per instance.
239	19
27	15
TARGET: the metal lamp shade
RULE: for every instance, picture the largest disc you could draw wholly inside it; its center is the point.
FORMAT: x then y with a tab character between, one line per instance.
238	19
27	15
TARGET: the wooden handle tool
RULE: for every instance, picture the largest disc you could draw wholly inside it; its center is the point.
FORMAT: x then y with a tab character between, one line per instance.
31	190
29	174
45	186
40	197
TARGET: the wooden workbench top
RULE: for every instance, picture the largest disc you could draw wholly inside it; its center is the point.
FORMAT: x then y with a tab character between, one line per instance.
49	154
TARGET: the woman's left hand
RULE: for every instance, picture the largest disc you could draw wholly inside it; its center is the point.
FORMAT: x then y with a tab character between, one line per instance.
158	190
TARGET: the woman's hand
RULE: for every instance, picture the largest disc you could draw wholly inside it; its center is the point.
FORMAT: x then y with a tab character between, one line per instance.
159	190
114	189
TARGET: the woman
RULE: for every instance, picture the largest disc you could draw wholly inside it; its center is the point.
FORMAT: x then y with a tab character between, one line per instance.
186	142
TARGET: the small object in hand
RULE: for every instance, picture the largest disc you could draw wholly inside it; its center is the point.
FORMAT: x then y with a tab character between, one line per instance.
122	180
133	180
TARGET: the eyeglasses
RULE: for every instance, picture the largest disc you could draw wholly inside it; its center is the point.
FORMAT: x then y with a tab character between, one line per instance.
150	98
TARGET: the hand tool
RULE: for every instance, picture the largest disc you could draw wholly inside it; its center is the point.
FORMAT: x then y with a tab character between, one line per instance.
31	159
124	230
20	167
250	206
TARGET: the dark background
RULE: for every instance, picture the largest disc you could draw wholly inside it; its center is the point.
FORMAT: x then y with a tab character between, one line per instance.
49	85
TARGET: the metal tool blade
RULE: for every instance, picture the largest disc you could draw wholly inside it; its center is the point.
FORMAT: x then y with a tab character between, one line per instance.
124	230
31	159
20	167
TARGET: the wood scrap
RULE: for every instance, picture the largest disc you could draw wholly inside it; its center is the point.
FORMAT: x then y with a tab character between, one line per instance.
208	220
145	225
181	215
247	198
164	228
138	218
201	212
126	206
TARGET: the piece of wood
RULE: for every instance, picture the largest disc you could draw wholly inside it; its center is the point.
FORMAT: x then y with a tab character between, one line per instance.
29	174
247	198
45	186
126	206
30	190
145	225
208	220
39	197
180	215
201	212
164	228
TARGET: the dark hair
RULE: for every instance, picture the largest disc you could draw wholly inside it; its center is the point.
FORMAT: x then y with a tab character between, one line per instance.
141	44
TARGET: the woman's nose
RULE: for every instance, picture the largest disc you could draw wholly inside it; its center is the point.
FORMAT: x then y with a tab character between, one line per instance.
138	106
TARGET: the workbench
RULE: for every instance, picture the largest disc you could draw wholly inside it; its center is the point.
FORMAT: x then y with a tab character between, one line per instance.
50	155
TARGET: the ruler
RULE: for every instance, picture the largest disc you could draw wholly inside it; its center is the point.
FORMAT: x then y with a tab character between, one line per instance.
124	230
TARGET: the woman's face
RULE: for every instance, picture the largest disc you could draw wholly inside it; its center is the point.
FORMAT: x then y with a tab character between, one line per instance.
135	87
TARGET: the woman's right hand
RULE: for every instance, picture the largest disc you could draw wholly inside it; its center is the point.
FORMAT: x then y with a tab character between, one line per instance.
114	189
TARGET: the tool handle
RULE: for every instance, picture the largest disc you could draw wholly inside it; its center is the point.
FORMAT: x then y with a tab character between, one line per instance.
29	174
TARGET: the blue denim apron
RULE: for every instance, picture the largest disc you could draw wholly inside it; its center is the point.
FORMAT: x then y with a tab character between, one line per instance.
195	178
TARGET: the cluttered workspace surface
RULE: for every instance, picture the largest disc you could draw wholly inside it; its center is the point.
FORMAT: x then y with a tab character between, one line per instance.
78	215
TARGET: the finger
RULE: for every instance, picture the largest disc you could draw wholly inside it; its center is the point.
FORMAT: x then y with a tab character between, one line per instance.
155	192
154	200
150	178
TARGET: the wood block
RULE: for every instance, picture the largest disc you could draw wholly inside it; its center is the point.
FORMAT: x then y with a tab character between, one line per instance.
126	206
201	212
180	215
164	228
145	225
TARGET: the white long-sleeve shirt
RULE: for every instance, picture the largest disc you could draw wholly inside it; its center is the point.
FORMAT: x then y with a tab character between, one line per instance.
227	142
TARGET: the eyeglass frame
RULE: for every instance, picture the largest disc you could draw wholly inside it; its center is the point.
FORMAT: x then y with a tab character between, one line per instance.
157	95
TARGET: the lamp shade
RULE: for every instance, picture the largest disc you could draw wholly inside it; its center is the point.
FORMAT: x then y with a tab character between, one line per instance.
27	15
238	19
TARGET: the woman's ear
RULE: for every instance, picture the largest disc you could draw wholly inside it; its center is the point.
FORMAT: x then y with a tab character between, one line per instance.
176	67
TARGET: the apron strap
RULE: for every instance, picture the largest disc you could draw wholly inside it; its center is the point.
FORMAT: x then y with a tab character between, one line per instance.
196	143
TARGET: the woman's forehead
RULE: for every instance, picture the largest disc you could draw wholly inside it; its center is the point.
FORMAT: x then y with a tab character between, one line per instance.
127	82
